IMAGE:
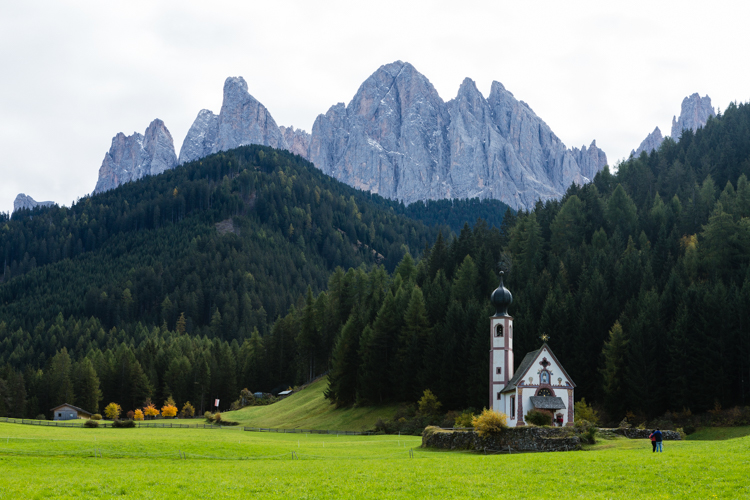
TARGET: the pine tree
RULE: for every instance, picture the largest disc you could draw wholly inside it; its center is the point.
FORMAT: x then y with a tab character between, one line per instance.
86	385
613	373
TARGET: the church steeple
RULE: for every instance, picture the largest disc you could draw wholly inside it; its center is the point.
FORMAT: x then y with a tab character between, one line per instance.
501	352
501	298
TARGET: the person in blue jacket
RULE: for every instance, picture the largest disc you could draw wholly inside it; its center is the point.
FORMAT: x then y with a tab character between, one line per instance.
658	436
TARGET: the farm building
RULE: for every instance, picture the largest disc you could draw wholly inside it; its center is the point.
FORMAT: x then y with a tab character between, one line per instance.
68	412
541	382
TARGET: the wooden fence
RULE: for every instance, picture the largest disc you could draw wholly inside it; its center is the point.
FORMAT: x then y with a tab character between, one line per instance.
79	423
307	431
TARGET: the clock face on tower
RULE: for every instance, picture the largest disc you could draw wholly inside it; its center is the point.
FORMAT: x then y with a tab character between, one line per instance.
544	392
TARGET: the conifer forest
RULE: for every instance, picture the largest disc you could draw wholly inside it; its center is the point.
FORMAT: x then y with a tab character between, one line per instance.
252	269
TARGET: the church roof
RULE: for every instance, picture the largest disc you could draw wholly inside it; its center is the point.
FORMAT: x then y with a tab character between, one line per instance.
526	364
522	369
547	402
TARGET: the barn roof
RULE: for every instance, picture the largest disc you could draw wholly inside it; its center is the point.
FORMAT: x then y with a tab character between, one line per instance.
79	410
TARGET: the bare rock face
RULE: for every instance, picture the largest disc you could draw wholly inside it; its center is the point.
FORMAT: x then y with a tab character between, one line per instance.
201	138
694	114
650	143
133	157
297	140
590	160
398	138
242	120
25	201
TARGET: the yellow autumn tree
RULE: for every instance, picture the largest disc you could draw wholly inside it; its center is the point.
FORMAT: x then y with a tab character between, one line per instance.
188	410
112	411
150	411
138	414
168	410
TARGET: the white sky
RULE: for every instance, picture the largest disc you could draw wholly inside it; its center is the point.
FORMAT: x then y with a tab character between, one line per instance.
74	73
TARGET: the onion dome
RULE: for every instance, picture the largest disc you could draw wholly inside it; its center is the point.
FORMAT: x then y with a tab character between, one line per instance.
501	298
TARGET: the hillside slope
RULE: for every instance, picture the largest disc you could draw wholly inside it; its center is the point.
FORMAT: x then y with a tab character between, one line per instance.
309	409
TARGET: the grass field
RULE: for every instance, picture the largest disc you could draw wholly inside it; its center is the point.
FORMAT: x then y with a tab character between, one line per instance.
309	409
719	433
41	462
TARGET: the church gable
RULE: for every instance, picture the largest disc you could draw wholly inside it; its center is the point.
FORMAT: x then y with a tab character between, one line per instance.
544	374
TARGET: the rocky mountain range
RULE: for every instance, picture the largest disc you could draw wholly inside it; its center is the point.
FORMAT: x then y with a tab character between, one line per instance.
694	113
25	201
396	137
134	156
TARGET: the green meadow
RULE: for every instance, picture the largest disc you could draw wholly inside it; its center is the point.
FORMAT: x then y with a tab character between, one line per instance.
44	462
309	409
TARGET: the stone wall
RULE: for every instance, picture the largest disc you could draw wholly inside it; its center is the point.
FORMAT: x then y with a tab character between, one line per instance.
517	439
645	433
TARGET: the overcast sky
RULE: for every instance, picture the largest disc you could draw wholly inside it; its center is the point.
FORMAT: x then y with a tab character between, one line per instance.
74	73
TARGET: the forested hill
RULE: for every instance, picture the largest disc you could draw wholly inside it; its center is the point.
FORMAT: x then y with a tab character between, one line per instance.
640	279
227	244
152	249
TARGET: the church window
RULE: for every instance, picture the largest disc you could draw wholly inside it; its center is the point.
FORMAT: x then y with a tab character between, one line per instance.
512	407
499	331
498	370
544	392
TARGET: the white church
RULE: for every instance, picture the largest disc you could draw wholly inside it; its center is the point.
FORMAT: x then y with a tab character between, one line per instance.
541	381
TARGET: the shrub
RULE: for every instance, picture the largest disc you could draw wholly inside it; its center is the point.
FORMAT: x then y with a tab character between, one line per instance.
130	414
96	416
123	424
41	416
430	430
188	410
490	422
93	424
586	430
589	436
218	420
112	411
168	410
584	411
429	404
209	417
539	417
138	415
464	420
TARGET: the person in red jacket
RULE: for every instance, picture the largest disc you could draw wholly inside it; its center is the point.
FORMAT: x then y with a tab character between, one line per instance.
652	437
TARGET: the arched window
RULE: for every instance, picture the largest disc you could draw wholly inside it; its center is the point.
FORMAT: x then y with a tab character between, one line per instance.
545	377
499	330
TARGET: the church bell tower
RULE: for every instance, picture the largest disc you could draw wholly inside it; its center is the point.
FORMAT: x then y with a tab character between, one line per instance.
501	350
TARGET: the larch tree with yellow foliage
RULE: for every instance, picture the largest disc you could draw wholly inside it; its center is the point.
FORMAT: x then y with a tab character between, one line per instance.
112	411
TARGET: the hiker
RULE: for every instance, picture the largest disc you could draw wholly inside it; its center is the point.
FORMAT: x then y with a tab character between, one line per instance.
652	437
657	437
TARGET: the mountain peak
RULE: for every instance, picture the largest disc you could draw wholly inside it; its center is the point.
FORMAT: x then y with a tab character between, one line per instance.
25	201
694	113
131	157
